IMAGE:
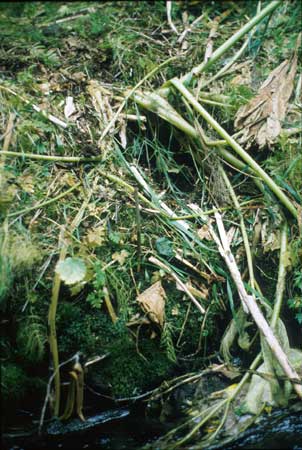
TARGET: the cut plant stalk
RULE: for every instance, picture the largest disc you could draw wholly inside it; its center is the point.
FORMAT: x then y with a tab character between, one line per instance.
53	344
238	149
164	91
162	108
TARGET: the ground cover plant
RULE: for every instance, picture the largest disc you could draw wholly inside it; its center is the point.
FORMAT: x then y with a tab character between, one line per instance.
150	201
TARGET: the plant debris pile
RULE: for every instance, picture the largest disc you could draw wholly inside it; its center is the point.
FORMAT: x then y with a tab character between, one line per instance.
151	208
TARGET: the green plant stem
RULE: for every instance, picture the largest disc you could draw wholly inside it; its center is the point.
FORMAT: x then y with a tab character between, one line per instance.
224	47
53	344
238	164
242	226
42	204
238	149
55	298
159	106
281	277
138	231
65	159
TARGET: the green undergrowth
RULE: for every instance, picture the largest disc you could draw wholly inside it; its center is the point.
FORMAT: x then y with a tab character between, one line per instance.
49	52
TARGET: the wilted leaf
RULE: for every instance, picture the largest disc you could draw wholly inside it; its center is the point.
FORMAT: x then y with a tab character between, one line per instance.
152	301
95	237
120	257
228	371
260	120
204	233
71	270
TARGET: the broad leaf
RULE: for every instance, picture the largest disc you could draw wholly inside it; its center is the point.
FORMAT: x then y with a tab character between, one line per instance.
71	270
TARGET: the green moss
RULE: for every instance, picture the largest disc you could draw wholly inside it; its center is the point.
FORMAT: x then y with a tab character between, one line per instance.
14	382
130	373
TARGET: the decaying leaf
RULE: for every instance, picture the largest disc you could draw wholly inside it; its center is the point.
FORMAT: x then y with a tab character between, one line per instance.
96	236
260	120
204	233
120	257
27	183
152	301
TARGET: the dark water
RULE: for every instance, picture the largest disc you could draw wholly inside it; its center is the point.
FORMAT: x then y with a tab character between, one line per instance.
122	429
278	431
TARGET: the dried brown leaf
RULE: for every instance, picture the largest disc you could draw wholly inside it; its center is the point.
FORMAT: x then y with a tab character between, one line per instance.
152	301
260	120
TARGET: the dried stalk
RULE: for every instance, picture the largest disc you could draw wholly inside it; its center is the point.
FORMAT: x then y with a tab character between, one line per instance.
48	116
251	305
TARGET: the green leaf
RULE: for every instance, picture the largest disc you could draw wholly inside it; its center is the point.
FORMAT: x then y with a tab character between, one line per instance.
71	270
164	247
114	237
298	316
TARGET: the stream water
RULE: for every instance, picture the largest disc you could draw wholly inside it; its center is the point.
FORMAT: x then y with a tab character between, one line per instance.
123	429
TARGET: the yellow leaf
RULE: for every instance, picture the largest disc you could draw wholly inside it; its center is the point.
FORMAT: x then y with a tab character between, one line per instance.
120	257
95	237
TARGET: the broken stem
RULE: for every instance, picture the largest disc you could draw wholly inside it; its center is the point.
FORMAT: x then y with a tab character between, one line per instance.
238	149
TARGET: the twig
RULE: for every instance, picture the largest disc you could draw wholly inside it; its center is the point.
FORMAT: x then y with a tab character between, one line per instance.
189	29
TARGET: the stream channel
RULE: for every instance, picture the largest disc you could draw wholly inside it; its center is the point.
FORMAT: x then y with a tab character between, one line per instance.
126	428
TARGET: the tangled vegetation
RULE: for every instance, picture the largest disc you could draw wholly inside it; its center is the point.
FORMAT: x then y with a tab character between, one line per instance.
126	140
